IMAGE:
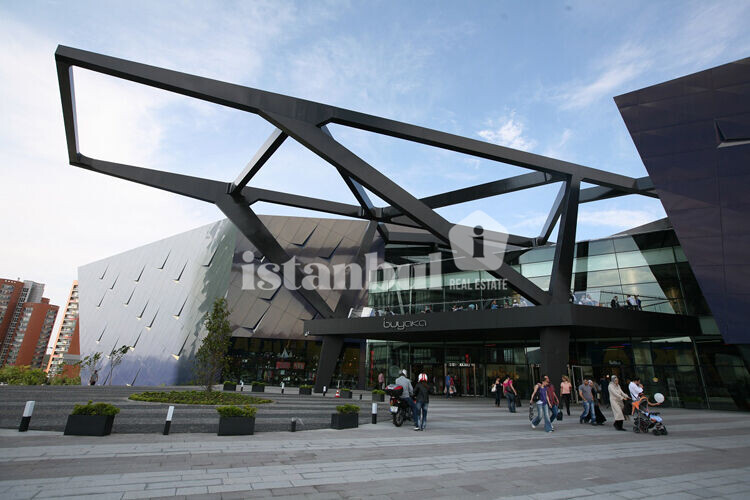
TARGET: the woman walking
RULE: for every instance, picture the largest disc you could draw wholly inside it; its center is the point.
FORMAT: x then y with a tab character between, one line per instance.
565	388
616	397
497	389
510	393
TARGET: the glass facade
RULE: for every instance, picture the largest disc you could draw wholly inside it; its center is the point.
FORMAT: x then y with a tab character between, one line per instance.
699	372
649	266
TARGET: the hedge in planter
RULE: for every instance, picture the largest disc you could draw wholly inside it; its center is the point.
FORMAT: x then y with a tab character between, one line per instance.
230	386
236	421
305	390
92	419
345	393
378	395
346	417
258	386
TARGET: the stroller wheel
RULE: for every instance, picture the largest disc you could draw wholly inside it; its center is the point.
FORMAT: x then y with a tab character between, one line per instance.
636	429
664	432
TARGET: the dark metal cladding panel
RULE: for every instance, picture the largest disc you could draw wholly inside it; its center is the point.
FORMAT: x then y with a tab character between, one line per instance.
693	135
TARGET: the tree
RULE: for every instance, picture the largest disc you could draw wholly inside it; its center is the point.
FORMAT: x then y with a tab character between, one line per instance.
115	358
91	362
211	358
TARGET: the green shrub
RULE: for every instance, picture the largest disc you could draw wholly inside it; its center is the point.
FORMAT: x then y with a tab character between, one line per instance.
22	375
257	383
347	409
229	382
198	398
346	390
236	411
63	380
305	386
378	391
103	409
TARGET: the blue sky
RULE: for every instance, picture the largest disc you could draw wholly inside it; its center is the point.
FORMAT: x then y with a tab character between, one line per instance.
537	76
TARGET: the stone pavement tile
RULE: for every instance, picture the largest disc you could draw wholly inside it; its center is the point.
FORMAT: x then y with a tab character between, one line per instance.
728	489
192	490
737	496
677	496
293	491
97	496
166	492
244	495
704	492
70	491
555	495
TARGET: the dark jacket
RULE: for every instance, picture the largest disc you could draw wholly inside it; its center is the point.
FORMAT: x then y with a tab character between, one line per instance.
422	392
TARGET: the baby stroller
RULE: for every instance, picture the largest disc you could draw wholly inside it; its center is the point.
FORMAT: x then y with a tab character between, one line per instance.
645	420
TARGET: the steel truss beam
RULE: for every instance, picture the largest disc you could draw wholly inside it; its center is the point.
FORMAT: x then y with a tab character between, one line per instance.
305	121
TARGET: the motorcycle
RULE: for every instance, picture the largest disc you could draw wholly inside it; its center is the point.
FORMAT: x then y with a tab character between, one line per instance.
400	409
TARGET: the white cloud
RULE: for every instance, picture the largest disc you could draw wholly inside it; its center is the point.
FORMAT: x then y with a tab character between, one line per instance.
627	63
557	149
617	218
707	34
509	132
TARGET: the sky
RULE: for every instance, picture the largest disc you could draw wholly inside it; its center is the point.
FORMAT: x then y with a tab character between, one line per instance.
536	76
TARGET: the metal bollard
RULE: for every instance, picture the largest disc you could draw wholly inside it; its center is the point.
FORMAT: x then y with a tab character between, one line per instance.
374	413
282	388
294	425
26	418
325	389
360	397
168	422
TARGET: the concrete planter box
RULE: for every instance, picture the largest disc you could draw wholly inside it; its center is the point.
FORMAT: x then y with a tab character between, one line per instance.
305	391
89	425
258	388
378	397
346	394
230	387
236	426
344	420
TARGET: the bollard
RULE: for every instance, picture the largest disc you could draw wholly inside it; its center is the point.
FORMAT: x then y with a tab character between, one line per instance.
282	388
168	422
360	397
374	413
294	425
325	389
26	418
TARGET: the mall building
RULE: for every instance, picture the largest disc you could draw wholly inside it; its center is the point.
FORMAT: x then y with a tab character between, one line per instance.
667	302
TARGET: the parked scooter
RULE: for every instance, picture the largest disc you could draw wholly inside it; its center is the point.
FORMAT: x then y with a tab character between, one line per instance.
400	409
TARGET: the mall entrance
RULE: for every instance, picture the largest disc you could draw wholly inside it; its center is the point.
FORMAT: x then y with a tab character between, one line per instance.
465	378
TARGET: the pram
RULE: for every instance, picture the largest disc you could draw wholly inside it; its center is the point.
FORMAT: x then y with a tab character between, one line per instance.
645	420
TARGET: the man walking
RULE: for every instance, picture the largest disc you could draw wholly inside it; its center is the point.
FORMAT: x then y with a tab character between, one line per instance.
584	391
422	395
406	396
542	405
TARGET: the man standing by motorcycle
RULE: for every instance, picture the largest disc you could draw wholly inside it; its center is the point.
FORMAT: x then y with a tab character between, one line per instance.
422	395
407	394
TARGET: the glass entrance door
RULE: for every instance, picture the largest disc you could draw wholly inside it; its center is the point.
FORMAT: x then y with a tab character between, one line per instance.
576	378
465	378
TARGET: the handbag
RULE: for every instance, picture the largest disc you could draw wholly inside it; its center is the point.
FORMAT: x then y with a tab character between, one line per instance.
494	388
559	416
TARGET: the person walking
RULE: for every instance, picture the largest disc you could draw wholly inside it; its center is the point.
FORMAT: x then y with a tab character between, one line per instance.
497	390
616	398
541	399
407	396
94	378
422	395
510	392
553	401
635	388
450	386
381	381
587	396
565	388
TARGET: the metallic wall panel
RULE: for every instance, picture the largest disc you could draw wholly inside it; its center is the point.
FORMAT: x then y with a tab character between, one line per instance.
693	135
163	341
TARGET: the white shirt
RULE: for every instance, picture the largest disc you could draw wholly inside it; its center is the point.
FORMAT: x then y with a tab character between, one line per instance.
632	301
635	391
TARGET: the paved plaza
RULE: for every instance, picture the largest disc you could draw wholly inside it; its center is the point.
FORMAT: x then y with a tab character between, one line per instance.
470	450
